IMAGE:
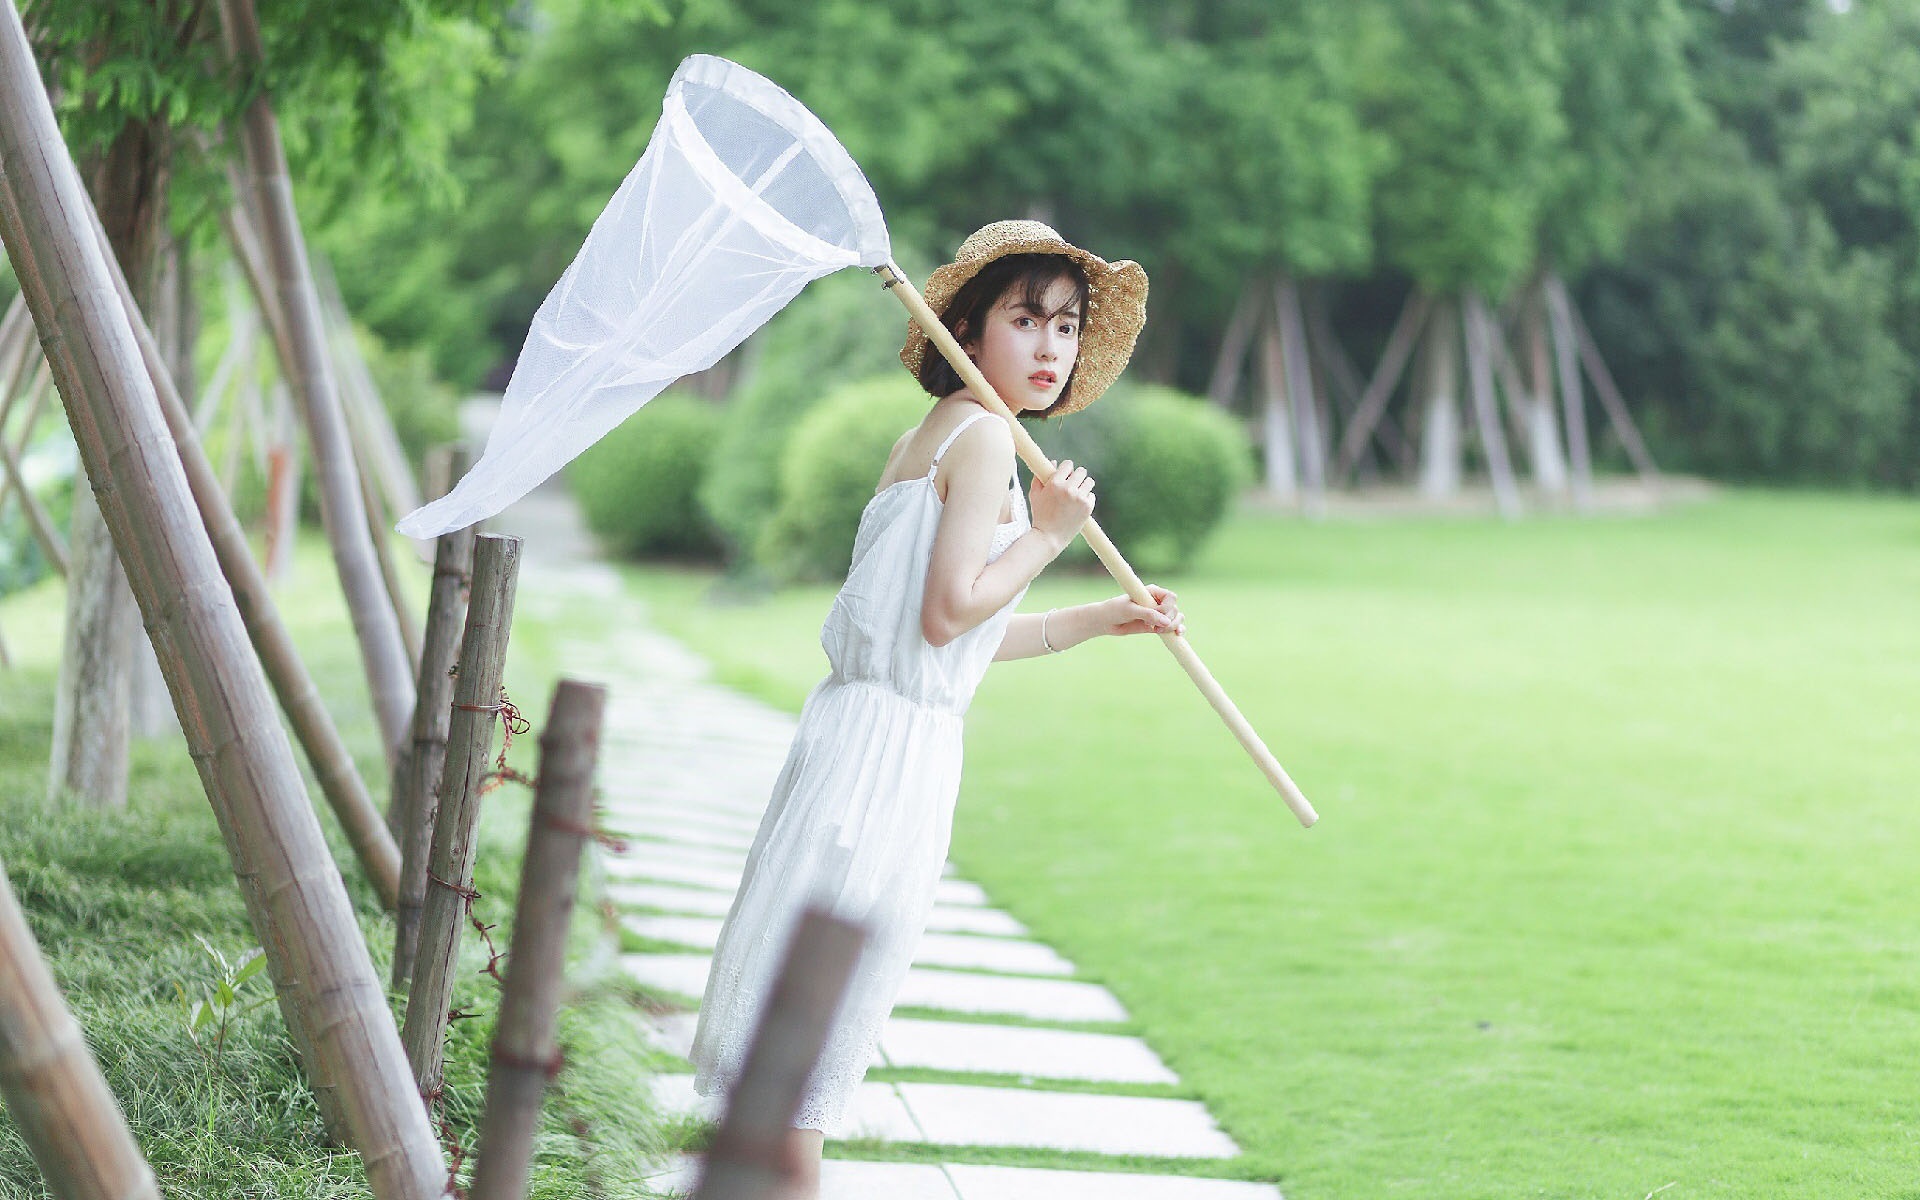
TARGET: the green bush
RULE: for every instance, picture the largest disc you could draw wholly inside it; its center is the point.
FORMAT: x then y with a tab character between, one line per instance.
839	330
828	472
638	486
1167	466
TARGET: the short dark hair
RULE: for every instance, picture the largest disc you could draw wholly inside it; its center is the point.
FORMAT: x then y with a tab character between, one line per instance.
1031	275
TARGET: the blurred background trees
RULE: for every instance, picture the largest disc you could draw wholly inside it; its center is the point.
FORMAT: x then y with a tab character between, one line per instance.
1725	190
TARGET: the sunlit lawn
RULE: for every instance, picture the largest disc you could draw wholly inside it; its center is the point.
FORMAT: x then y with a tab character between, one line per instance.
1614	886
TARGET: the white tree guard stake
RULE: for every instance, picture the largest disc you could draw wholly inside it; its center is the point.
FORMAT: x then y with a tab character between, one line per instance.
742	198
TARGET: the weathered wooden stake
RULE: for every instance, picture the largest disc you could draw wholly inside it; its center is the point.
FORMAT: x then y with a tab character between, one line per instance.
524	1049
55	1093
745	1160
477	698
416	800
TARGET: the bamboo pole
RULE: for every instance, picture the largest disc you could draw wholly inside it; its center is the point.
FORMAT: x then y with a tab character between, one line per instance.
55	1093
525	1054
380	532
293	687
476	710
746	1160
334	1005
417	797
37	519
342	511
897	282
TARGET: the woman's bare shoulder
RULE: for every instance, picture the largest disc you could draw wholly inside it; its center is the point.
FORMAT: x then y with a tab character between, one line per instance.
982	456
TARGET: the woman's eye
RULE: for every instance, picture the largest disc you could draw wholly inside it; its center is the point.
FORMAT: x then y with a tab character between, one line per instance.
1067	329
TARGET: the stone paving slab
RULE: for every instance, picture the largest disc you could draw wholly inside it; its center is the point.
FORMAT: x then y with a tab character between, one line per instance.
925	987
1038	1183
875	1110
935	949
703	902
662	868
678	830
620	866
958	1114
1005	995
982	922
668	898
1013	1050
840	1179
642	811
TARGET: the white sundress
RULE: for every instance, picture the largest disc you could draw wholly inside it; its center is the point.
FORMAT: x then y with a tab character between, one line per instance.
862	811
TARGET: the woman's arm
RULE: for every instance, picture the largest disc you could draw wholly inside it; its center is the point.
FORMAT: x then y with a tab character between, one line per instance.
962	588
1070	626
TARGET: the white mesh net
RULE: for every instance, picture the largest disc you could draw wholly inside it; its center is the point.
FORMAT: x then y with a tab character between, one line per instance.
742	198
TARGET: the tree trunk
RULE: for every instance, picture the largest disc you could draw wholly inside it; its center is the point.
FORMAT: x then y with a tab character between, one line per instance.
1282	482
1301	400
1580	461
1543	428
89	760
1440	407
55	1094
1493	443
334	1003
342	511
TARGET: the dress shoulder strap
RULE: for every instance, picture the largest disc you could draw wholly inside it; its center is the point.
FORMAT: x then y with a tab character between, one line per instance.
957	430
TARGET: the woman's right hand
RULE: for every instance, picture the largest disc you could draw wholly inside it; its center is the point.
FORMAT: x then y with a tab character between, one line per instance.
1062	502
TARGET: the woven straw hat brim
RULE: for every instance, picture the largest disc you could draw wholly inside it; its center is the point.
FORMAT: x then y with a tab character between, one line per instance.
1116	302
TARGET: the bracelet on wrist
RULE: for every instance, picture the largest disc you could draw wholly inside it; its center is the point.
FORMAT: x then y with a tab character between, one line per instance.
1051	648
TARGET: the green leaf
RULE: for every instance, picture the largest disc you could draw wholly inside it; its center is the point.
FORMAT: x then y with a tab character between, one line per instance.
254	964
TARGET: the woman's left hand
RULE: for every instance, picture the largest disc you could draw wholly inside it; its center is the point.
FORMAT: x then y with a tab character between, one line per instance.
1120	615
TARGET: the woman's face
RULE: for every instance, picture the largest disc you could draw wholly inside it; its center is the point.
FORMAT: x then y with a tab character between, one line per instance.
1027	355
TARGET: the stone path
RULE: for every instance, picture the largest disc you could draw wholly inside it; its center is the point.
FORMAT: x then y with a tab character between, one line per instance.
685	767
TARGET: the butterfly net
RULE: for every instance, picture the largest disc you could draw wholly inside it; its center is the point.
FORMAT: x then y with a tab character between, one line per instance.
742	198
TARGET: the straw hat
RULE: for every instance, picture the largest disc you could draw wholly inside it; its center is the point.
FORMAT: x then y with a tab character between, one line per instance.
1116	302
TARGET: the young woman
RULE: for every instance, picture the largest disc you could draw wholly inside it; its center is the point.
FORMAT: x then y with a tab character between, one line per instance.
862	810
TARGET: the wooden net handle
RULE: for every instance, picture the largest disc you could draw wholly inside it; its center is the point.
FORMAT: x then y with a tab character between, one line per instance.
937	333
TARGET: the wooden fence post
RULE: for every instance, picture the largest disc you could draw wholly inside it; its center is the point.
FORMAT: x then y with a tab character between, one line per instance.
55	1093
745	1161
416	798
477	700
524	1053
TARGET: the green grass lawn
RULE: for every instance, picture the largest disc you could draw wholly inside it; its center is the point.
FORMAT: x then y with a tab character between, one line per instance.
119	901
1613	885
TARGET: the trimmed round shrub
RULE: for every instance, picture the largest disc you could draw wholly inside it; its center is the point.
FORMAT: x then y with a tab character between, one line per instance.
639	485
1167	468
828	336
828	471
